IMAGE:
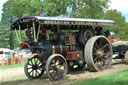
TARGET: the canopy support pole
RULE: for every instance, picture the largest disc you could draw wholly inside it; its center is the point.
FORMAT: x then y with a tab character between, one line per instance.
35	40
38	32
20	34
17	36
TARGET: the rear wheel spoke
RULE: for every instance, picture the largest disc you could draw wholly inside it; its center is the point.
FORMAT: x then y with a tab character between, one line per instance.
106	45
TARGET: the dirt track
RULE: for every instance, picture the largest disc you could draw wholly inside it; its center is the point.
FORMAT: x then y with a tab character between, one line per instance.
16	76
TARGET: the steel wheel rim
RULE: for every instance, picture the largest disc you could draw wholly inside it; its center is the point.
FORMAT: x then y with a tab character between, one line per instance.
34	68
101	53
90	54
56	68
126	57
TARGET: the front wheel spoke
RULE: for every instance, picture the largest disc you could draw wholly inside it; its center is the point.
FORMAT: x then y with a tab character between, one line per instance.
29	67
52	68
57	62
37	72
58	75
41	66
33	73
35	60
61	63
40	69
31	62
53	74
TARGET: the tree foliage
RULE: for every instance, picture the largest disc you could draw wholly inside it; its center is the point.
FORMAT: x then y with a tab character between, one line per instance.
20	8
12	10
94	9
121	27
89	8
116	16
56	7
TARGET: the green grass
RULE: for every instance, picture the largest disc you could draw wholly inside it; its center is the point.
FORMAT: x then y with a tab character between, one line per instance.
11	66
119	78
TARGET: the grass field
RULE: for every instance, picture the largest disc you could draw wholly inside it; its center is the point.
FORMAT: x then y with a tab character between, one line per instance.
11	66
119	78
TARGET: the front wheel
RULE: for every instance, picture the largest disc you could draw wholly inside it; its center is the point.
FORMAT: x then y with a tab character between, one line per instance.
33	68
56	67
98	53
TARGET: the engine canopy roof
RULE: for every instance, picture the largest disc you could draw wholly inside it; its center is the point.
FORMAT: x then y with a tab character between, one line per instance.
28	20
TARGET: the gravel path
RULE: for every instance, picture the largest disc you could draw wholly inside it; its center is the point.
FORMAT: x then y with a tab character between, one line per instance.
16	76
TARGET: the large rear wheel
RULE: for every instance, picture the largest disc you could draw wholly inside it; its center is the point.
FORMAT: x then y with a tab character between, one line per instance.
98	53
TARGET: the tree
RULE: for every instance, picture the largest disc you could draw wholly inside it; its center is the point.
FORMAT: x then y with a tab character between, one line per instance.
14	9
121	27
116	16
89	8
20	8
56	7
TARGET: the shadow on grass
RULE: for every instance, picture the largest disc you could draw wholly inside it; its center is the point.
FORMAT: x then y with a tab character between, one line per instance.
119	62
81	71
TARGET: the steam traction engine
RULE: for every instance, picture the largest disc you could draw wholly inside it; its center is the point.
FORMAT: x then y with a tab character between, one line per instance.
61	43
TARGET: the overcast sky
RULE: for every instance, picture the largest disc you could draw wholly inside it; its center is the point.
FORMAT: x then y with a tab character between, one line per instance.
120	5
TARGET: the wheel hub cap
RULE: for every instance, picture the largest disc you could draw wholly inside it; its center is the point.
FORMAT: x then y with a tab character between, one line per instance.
100	53
34	67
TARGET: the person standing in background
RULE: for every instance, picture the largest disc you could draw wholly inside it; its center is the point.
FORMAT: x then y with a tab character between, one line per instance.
20	57
9	58
16	57
6	60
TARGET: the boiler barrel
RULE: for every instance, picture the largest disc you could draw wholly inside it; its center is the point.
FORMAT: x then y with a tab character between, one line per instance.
59	49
